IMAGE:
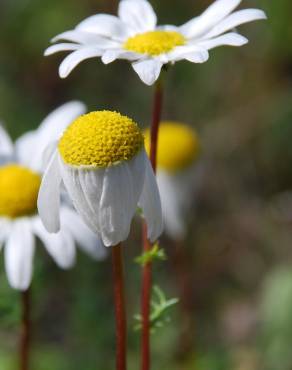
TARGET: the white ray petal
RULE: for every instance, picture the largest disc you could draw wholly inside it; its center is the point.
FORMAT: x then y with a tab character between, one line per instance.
49	195
87	240
112	54
148	70
231	39
122	187
60	245
234	20
209	18
31	146
193	53
78	56
60	47
18	254
72	178
150	203
105	25
171	192
139	14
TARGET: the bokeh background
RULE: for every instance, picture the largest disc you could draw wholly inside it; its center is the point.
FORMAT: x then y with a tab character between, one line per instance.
239	245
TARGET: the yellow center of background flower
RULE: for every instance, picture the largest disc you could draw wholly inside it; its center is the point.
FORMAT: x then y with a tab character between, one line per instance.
19	188
100	139
178	146
154	42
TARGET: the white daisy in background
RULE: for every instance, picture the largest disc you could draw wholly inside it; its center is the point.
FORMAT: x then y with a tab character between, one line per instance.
103	164
135	36
20	179
178	174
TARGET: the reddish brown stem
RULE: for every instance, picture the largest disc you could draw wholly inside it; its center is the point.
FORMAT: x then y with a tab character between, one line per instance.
147	268
24	349
119	297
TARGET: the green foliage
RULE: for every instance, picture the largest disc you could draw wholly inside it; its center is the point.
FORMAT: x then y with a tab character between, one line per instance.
159	315
155	253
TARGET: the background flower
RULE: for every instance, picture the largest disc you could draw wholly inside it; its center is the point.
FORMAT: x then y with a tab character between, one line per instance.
20	178
179	173
135	36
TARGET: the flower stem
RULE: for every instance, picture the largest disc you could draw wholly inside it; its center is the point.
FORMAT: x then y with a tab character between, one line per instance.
24	347
119	297
147	268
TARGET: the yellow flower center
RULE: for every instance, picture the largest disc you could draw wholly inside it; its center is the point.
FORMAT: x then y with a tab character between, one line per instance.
100	139
19	188
178	146
154	42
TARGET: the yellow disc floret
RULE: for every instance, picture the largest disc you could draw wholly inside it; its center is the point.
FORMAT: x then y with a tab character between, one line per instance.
19	188
100	139
178	146
154	42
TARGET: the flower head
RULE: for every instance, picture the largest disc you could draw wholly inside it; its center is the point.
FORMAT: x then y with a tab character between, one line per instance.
21	167
102	162
135	36
178	173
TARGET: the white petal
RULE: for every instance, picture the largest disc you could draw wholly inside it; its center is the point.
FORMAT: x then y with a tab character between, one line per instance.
231	39
87	240
150	203
31	146
209	18
148	70
122	187
19	251
6	146
111	55
49	196
138	14
25	149
60	246
105	25
60	47
171	191
84	198
235	19
193	53
73	59
53	126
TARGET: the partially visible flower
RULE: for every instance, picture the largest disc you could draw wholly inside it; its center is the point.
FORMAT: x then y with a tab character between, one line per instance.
20	179
178	173
135	36
102	162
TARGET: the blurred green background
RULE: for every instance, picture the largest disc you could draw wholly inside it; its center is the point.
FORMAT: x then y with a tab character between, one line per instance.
239	245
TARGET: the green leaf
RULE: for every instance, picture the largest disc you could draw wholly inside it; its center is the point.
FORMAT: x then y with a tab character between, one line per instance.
155	253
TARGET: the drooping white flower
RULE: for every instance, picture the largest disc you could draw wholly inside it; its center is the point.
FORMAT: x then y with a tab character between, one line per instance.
178	174
135	36
20	179
102	162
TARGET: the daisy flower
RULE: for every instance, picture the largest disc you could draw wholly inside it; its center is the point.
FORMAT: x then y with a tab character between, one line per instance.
178	173
102	162
135	36
20	225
